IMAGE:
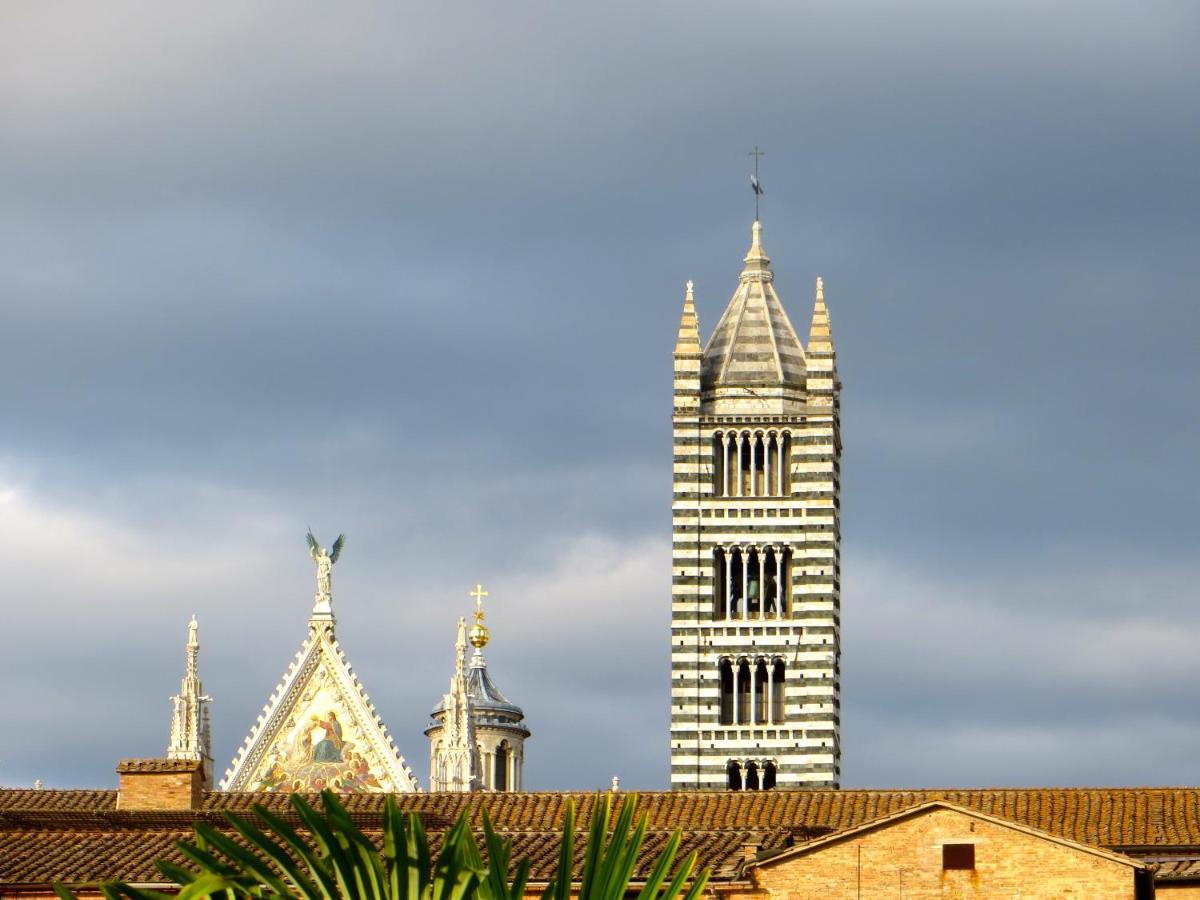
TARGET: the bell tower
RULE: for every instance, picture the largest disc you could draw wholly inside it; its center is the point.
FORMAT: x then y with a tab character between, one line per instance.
755	581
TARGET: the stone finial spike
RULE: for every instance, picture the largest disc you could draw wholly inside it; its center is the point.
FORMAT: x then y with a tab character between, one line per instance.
460	649
688	340
756	259
820	338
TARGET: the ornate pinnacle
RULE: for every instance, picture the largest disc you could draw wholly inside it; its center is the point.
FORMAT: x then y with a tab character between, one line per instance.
190	738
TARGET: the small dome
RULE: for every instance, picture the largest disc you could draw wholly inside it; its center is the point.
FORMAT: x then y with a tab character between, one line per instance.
486	698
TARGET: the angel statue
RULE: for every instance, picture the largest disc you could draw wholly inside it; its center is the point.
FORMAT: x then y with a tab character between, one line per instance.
325	559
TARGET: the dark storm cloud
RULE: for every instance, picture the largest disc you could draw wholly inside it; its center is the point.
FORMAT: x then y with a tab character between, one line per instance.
414	273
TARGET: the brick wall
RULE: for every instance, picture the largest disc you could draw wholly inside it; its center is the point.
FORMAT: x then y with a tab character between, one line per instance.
1165	890
904	859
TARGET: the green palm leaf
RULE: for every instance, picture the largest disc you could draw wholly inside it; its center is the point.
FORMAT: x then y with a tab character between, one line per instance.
330	857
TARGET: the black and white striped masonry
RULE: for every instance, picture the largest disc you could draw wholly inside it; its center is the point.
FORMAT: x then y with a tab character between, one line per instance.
755	587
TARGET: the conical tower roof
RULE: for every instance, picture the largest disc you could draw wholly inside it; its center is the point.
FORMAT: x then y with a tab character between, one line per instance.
754	344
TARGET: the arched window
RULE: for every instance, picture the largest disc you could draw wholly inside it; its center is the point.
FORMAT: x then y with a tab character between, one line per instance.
782	580
733	775
720	488
737	565
720	584
760	487
725	675
751	776
743	692
746	463
761	691
753	584
772	473
778	692
768	776
500	779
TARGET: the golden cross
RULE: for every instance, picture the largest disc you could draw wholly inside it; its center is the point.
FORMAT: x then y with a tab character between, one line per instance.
479	593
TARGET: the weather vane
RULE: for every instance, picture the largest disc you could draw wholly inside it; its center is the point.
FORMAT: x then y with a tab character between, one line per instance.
756	153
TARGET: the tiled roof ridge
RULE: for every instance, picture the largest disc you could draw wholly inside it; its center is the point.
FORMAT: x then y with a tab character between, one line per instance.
157	764
47	793
1027	789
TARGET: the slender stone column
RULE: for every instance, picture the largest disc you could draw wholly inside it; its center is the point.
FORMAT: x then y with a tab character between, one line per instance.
753	464
771	693
745	554
734	666
728	582
754	692
725	448
768	440
762	582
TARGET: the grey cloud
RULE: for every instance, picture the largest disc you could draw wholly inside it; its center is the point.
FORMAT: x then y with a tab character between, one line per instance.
414	273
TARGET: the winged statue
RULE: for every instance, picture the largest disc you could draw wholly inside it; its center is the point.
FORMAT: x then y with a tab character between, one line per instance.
325	559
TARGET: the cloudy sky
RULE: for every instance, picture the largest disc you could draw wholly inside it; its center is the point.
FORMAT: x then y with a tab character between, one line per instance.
413	271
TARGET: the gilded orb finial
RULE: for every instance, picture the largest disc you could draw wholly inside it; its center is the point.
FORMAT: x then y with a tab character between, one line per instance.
479	633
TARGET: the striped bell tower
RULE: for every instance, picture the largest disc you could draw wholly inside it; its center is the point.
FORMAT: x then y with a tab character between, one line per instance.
755	596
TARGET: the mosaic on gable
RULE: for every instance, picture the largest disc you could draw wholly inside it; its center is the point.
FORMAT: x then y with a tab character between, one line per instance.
321	746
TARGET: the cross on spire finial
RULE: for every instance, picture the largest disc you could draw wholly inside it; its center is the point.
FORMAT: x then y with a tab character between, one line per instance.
479	632
756	153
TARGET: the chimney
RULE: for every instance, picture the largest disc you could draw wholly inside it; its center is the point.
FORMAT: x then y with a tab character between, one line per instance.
160	784
751	846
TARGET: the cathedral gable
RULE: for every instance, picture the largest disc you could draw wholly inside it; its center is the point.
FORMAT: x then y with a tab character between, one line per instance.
319	730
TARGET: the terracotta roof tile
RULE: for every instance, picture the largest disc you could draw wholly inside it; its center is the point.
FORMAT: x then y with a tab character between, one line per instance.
1176	869
24	799
80	835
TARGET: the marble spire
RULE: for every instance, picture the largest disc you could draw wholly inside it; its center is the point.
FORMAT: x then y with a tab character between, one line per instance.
190	734
454	766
